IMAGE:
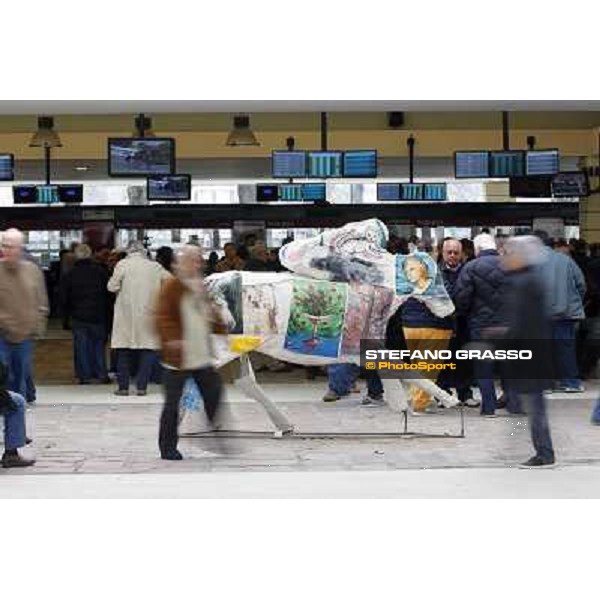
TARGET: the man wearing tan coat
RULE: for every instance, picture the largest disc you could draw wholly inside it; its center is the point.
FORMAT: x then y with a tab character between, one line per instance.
185	319
23	310
136	280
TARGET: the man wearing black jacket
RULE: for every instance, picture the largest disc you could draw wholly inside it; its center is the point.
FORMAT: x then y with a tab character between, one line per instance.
84	300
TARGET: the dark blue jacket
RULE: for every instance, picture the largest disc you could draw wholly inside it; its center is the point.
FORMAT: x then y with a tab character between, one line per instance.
480	290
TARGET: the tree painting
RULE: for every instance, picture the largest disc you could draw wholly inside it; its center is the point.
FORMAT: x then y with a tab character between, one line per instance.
316	317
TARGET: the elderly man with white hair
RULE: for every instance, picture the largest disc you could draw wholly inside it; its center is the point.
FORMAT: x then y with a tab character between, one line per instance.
136	281
479	296
23	309
185	319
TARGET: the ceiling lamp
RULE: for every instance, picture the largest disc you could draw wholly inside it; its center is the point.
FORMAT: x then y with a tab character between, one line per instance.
45	136
143	126
241	134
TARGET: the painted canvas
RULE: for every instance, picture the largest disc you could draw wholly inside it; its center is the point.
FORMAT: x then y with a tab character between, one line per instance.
360	298
383	306
262	311
418	275
316	318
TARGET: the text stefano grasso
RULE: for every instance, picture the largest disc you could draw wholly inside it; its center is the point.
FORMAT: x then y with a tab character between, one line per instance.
410	355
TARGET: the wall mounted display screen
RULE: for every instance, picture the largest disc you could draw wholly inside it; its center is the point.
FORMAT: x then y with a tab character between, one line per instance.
324	164
266	193
47	194
291	192
130	157
570	185
412	191
508	163
435	191
24	194
360	163
70	193
288	164
314	192
169	187
7	167
472	165
388	192
542	162
530	187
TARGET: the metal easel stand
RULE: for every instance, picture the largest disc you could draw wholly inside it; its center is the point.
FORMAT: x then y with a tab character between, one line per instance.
393	388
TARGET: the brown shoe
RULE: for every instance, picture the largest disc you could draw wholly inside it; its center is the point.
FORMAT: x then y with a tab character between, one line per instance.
15	460
142	393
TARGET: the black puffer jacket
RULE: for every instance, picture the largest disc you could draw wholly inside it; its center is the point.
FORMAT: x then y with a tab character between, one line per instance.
480	291
83	293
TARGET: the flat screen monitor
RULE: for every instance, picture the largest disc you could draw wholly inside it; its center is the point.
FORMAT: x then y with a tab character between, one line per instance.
266	193
530	187
288	164
169	187
141	157
360	163
7	167
324	164
542	162
472	165
47	194
71	193
24	194
314	192
388	192
291	192
570	184
507	163
411	191
435	191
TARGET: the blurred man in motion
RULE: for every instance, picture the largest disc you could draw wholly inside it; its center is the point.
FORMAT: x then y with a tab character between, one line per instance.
527	319
185	319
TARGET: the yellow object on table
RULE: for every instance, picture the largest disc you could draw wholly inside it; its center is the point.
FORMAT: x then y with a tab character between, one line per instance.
242	344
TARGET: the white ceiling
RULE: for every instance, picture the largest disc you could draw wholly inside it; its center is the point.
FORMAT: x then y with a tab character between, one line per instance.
72	107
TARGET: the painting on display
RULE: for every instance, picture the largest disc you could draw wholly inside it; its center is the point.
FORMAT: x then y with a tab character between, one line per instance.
316	318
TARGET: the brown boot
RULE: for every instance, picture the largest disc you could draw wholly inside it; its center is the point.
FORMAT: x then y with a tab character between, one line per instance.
14	459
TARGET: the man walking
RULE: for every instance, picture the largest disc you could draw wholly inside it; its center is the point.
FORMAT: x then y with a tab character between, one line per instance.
185	319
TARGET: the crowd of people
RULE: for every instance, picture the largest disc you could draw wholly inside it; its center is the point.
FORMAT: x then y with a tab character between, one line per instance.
156	316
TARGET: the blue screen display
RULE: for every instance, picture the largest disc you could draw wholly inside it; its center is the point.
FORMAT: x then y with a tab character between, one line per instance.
412	191
508	163
70	193
24	194
266	193
472	165
288	164
388	192
434	191
291	192
324	164
6	167
314	192
360	163
543	162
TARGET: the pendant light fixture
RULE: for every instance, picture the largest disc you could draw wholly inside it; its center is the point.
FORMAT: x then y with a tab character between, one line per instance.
241	134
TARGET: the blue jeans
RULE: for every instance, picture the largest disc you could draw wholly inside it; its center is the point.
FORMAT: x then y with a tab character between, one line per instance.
146	360
88	350
342	377
563	334
17	357
14	424
484	374
538	424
